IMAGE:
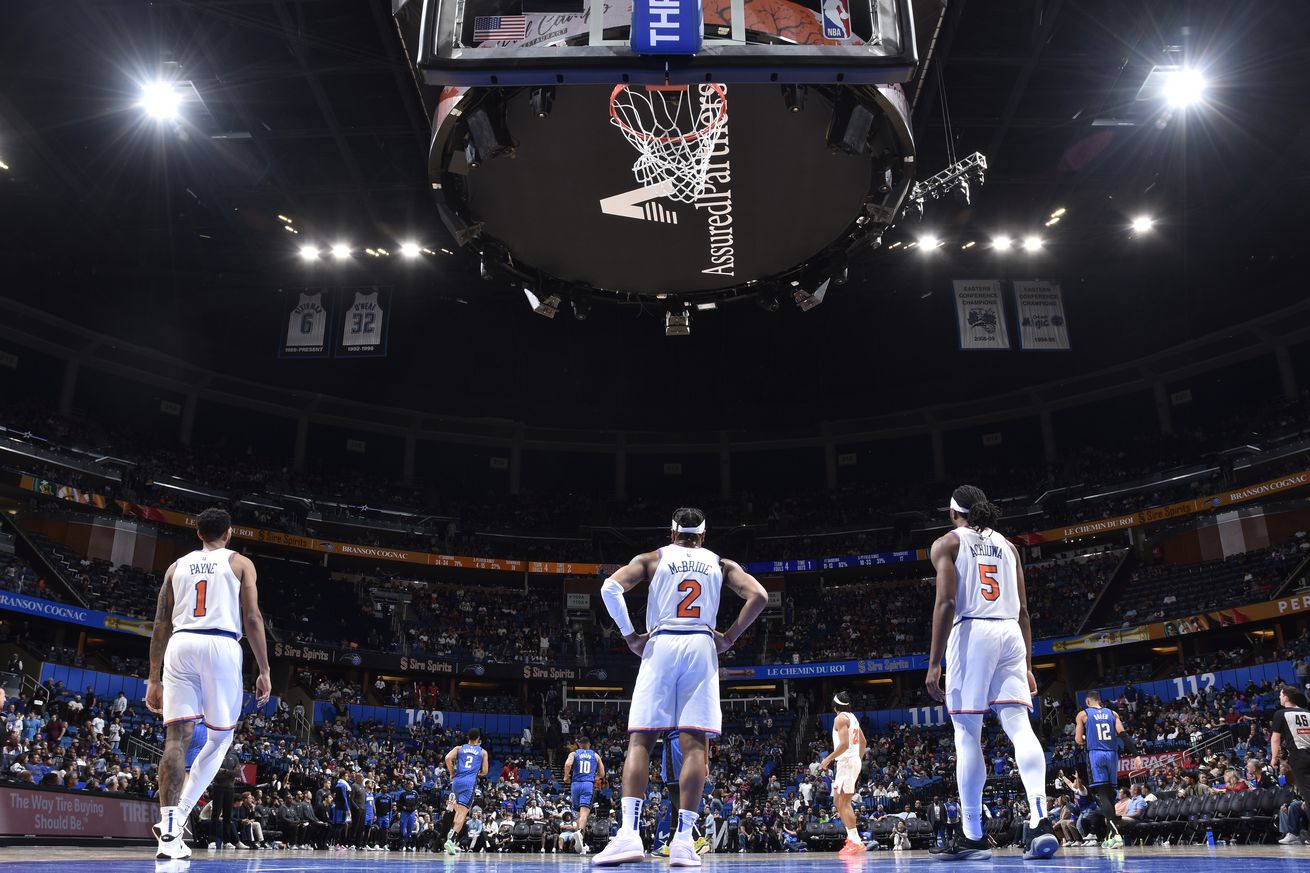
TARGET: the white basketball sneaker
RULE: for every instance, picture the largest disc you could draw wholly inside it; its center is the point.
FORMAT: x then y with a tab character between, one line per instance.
169	832
683	854
625	848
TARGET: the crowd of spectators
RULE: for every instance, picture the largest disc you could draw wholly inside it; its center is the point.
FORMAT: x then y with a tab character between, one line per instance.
1157	591
374	510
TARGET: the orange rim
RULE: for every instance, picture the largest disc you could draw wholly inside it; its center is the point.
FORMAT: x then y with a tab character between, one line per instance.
686	137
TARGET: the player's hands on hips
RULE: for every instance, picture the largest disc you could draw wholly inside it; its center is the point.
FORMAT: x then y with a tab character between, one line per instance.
933	682
1032	684
721	642
637	643
155	696
263	689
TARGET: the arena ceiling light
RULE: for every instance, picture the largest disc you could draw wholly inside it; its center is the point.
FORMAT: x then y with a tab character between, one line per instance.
308	253
1184	87
340	251
1143	223
4	166
1175	85
546	308
410	250
1002	243
928	242
1032	243
677	323
161	100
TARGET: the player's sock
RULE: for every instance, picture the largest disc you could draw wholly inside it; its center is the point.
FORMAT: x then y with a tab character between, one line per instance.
631	813
206	767
852	835
686	824
1029	756
171	820
970	770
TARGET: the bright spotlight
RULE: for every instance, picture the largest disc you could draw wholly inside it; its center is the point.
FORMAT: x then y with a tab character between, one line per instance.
928	242
341	251
1002	243
160	100
1032	243
410	249
1143	223
1184	88
309	253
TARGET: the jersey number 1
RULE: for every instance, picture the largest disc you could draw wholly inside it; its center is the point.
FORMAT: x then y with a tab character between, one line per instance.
687	608
199	611
991	589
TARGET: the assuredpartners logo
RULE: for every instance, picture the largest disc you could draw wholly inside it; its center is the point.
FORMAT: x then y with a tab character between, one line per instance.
715	198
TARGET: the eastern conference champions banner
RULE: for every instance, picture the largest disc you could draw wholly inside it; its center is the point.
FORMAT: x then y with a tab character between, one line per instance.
341	322
1042	325
980	312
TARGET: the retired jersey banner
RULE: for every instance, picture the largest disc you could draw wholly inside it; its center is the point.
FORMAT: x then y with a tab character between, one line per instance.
365	315
980	313
304	323
1042	325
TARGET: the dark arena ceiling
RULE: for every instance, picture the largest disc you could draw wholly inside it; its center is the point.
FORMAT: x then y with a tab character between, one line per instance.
168	234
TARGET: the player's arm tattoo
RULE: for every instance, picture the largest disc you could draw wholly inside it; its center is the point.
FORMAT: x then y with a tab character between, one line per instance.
163	628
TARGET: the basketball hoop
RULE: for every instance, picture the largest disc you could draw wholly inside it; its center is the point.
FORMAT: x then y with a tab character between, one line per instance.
674	139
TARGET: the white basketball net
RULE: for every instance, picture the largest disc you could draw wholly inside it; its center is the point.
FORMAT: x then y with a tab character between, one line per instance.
674	136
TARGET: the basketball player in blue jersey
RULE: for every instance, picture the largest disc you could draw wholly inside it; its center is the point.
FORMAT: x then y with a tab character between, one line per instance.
678	682
407	812
208	598
1098	730
583	771
464	764
980	624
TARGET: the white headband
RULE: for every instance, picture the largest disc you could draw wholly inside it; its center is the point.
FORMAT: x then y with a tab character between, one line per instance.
698	529
836	698
958	508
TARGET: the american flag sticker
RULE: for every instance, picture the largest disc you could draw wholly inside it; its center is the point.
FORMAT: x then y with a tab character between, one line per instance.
500	27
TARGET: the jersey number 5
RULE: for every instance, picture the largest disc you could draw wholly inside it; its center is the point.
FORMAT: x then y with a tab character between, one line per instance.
991	589
199	611
691	589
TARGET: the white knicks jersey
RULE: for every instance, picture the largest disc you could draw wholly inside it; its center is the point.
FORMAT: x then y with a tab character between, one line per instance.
206	593
308	322
362	325
685	591
987	583
852	753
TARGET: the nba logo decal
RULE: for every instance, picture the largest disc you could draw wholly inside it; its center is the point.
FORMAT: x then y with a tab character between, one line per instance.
836	19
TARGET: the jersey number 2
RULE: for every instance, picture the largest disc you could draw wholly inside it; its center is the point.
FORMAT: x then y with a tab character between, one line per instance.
991	589
199	611
687	608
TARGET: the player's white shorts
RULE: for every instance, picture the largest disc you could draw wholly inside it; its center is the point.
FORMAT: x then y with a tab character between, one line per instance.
848	771
986	666
202	680
677	685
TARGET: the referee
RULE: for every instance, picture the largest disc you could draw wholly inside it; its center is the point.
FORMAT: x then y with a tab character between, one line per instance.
1291	731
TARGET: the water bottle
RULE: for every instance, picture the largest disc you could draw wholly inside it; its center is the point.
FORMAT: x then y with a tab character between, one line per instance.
1209	837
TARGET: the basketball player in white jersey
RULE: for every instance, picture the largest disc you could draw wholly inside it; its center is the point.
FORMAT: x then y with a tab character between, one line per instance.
848	748
980	622
207	598
678	683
